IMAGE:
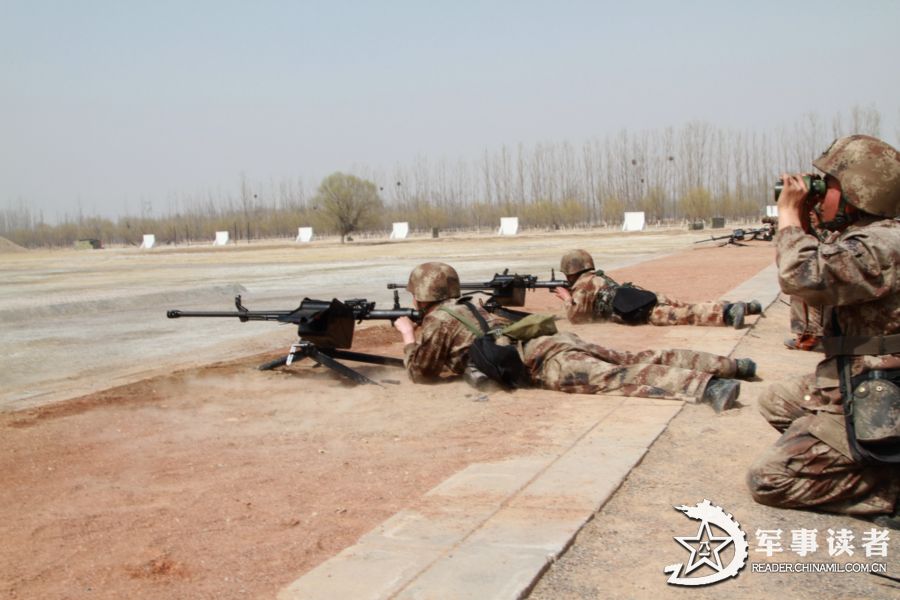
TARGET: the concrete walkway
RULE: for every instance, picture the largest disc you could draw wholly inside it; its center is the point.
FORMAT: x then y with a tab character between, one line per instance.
490	530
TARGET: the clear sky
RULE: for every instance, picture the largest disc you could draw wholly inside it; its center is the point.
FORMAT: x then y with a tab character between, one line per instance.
108	104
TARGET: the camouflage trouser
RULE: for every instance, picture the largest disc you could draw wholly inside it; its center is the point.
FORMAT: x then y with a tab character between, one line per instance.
669	311
803	470
681	374
807	319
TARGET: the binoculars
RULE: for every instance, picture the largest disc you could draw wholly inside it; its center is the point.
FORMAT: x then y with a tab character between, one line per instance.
814	183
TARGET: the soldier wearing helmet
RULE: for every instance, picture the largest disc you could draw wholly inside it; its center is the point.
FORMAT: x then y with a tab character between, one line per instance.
435	285
563	361
594	296
840	444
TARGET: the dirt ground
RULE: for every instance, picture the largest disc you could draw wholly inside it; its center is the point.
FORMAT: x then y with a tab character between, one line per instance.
216	480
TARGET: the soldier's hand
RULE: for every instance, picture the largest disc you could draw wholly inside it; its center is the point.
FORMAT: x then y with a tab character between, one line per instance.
562	293
792	200
407	329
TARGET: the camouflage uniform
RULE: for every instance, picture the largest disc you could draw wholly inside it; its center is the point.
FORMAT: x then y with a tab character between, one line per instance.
855	272
567	363
592	295
443	342
808	320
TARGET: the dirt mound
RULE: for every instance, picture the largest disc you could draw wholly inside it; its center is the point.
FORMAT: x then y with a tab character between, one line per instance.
8	246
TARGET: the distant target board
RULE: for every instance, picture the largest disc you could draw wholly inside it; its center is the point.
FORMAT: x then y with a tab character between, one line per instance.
400	231
634	221
771	210
508	226
304	234
221	238
149	240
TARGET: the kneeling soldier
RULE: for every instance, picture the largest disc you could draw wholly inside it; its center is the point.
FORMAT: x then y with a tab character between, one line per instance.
840	445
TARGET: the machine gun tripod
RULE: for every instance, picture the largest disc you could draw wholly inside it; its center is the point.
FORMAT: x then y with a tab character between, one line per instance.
328	357
325	330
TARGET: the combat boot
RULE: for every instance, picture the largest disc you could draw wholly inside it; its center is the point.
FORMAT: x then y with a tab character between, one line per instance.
746	368
734	314
476	378
754	307
721	394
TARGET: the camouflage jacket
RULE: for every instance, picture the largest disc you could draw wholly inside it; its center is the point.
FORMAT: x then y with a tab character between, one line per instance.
855	272
592	297
443	341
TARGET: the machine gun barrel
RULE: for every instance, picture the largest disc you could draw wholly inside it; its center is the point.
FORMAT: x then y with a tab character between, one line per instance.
504	288
250	315
371	313
505	280
362	310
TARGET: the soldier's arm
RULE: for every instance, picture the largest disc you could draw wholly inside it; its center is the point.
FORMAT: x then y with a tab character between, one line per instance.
858	267
580	309
424	360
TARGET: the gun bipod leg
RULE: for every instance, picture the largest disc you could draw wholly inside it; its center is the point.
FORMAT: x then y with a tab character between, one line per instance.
278	362
324	359
298	351
304	349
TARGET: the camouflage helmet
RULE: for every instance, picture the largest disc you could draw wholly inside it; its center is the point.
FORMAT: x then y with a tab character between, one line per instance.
876	411
433	282
576	261
869	172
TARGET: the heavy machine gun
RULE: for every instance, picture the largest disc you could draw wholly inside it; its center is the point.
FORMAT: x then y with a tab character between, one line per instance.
739	236
504	289
325	329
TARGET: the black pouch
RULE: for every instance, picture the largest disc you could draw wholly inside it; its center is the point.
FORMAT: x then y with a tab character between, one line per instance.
501	363
858	418
633	304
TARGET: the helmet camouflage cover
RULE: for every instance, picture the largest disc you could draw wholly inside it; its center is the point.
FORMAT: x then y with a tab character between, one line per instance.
869	172
576	261
433	282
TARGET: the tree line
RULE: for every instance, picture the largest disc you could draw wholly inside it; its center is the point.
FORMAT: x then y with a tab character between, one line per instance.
673	175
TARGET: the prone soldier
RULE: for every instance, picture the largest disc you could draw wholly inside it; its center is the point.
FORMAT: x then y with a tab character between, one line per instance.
560	361
594	296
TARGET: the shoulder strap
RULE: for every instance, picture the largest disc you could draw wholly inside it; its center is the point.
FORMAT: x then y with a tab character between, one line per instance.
481	321
468	324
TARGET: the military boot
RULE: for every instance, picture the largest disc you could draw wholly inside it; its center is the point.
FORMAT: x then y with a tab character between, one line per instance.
746	368
476	378
754	307
721	394
734	314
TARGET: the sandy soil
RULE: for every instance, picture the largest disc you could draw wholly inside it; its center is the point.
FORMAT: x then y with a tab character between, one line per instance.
221	481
